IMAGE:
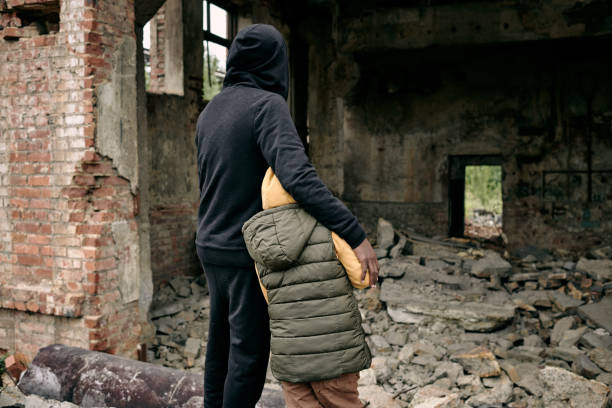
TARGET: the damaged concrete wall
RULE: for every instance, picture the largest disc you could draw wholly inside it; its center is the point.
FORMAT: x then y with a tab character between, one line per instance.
173	191
65	67
538	105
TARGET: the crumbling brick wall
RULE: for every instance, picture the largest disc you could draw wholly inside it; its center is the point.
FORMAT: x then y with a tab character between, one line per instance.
65	207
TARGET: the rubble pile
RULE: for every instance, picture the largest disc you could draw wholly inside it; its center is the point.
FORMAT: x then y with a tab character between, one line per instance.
454	326
451	325
180	313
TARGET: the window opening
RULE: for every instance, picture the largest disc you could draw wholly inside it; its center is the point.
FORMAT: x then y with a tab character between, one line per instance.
219	25
483	201
146	45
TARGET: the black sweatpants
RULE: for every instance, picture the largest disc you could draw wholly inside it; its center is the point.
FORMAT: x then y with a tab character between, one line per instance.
238	338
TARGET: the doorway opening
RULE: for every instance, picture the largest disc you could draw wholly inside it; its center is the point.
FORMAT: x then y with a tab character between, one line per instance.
475	197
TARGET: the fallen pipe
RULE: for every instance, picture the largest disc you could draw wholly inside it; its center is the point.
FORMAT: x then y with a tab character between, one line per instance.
93	379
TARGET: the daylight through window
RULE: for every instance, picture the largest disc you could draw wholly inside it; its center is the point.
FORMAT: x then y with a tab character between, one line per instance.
219	26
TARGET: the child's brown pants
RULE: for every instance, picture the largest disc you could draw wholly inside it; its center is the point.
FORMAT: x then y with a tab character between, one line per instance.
339	392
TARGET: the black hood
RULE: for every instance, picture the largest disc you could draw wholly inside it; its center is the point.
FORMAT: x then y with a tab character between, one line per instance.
258	58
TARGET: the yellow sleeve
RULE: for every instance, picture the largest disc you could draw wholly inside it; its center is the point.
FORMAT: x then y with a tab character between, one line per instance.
263	290
351	264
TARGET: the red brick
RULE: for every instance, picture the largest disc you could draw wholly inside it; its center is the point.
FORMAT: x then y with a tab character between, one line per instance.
90	229
15	365
38	180
43	273
25	249
29	260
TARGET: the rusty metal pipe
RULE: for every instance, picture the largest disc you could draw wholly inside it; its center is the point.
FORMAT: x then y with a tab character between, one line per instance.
93	379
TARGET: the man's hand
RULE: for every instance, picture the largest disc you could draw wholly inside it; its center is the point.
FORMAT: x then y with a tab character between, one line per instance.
369	262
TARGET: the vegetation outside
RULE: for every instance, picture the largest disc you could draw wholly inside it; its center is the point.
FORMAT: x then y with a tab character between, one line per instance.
212	87
483	189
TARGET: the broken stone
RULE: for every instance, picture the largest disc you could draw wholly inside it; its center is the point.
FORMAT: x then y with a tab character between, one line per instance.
404	302
382	368
597	269
376	396
385	234
564	302
592	339
499	394
16	364
480	362
432	396
571	337
538	298
379	344
426	360
525	276
397	338
192	348
605	378
585	367
560	328
372	299
167	310
450	370
533	341
568	354
491	264
602	357
401	248
565	389
406	353
422	348
391	270
598	313
367	377
525	354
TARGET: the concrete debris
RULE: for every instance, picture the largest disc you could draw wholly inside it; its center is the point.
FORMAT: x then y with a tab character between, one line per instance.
597	269
480	362
385	235
566	389
443	337
492	264
598	313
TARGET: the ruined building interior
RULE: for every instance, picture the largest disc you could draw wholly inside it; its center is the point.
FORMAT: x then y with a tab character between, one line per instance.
393	99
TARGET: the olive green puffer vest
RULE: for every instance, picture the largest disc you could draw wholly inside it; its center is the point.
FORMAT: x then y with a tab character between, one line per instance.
314	318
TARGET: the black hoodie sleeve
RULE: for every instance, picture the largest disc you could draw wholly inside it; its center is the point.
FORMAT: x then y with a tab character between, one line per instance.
282	148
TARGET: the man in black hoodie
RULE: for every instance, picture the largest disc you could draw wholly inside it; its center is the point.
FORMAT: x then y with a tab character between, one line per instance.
243	130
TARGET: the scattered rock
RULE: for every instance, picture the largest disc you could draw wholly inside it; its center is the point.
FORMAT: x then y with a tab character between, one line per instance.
585	367
602	357
376	396
480	362
407	303
491	264
499	394
385	234
560	328
597	269
598	313
565	389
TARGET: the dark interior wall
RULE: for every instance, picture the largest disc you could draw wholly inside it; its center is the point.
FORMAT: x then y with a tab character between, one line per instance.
171	120
538	105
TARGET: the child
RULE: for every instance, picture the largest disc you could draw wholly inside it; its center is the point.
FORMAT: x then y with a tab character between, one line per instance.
318	346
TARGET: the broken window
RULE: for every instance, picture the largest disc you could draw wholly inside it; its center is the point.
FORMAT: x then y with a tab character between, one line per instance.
220	26
28	18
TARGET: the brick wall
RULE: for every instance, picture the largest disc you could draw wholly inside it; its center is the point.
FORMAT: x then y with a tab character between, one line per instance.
59	261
